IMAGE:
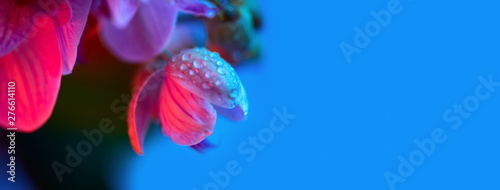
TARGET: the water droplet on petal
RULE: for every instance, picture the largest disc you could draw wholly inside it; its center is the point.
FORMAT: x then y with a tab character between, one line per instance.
218	82
214	55
208	74
233	93
205	86
221	71
191	72
220	63
184	66
198	63
186	57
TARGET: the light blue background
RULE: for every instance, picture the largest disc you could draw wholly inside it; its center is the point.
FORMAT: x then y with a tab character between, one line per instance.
353	120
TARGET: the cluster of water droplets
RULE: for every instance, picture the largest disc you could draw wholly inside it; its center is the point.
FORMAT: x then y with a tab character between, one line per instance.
206	74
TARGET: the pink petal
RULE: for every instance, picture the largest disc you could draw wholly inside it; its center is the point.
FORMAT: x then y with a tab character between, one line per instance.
146	35
186	118
15	25
59	10
69	35
141	108
239	112
35	67
197	7
122	11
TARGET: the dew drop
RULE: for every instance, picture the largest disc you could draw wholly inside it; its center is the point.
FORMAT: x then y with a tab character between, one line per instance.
221	71
220	63
184	67
198	63
205	86
191	72
218	82
214	55
233	93
186	57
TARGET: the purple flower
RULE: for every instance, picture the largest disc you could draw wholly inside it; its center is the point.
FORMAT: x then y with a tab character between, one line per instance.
139	30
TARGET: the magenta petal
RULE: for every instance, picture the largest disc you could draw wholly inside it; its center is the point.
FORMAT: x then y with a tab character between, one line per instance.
197	7
69	35
239	112
141	109
15	25
59	10
122	11
186	118
146	35
35	67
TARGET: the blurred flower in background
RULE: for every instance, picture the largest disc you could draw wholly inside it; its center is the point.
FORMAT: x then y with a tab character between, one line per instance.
137	31
232	32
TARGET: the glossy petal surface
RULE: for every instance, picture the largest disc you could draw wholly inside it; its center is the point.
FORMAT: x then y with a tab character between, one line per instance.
122	11
35	67
14	25
145	36
69	34
186	118
141	108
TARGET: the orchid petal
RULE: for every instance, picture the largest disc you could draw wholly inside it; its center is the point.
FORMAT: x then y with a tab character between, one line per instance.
59	10
207	75
146	35
141	108
15	25
35	67
186	118
69	35
197	7
122	11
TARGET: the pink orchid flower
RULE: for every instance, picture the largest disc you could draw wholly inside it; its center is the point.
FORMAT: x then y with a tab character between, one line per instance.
38	44
185	96
139	30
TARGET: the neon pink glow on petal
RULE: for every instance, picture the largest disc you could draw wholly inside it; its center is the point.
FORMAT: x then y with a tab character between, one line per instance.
141	107
186	118
35	67
122	11
197	7
146	35
59	10
14	25
69	35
